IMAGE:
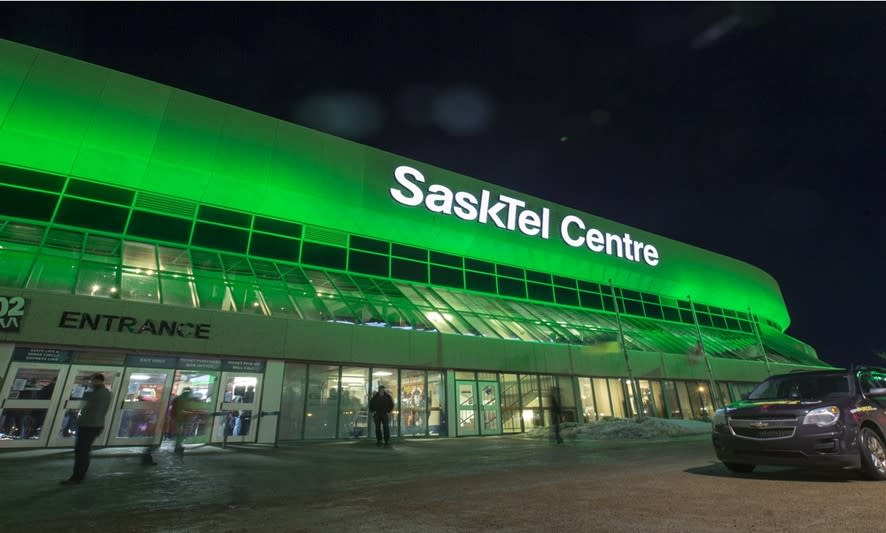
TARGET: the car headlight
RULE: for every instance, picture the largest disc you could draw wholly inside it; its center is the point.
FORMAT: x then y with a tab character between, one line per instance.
719	418
823	416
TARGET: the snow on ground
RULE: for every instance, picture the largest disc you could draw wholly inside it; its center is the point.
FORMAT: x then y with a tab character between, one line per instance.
630	428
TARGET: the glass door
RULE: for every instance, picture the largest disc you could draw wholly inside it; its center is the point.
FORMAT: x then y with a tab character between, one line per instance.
466	392
198	414
29	399
238	402
490	413
64	430
142	404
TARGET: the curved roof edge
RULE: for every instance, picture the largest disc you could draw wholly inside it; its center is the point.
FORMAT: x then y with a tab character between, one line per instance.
70	117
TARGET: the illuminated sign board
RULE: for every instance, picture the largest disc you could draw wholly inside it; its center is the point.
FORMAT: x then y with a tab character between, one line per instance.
513	214
12	310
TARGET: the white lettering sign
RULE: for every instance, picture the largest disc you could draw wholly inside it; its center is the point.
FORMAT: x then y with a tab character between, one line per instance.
511	214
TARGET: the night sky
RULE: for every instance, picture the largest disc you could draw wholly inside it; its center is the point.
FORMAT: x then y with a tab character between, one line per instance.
754	130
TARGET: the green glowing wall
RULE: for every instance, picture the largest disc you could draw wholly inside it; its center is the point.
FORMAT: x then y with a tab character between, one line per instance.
65	116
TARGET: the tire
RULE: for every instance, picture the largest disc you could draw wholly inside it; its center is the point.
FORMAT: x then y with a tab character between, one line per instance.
873	454
740	468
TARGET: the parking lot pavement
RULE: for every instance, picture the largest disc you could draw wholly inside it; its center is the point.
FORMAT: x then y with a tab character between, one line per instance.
508	483
215	481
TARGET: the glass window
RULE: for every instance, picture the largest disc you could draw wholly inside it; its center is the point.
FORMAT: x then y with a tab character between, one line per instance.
705	404
276	298
323	255
480	266
480	282
174	259
512	287
29	178
139	255
446	259
213	293
601	398
566	296
409	252
98	279
220	237
27	204
138	285
586	395
590	300
388	378
658	399
159	227
97	191
409	270
368	263
448	277
322	402
436	399
292	401
686	407
83	214
620	408
274	247
512	272
671	397
725	397
413	403
532	415
540	292
277	226
353	419
510	404
16	266
178	289
248	299
223	216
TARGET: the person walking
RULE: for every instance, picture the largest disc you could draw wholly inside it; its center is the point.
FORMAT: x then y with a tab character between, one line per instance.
380	405
90	425
556	413
182	416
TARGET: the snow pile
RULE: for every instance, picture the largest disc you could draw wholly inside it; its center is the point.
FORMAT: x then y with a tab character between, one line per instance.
630	428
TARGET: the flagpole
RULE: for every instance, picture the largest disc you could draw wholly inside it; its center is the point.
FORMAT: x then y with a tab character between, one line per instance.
624	349
715	393
759	340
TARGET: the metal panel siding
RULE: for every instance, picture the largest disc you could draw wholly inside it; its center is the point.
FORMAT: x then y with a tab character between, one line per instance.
211	152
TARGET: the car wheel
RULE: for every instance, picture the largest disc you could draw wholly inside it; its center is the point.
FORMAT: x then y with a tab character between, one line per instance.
740	468
873	454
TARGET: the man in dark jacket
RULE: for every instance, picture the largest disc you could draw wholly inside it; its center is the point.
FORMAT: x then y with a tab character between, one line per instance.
89	426
380	405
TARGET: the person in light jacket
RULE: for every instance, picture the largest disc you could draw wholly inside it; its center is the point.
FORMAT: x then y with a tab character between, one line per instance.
89	426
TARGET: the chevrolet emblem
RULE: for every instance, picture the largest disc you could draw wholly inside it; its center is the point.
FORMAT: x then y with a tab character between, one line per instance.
759	425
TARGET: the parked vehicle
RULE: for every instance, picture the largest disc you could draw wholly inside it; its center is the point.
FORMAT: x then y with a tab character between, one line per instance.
828	418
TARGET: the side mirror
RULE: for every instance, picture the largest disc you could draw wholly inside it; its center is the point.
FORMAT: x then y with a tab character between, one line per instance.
745	395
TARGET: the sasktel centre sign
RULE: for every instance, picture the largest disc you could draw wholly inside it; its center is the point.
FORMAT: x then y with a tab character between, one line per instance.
511	214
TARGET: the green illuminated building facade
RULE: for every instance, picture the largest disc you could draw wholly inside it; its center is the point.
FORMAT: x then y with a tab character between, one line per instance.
171	241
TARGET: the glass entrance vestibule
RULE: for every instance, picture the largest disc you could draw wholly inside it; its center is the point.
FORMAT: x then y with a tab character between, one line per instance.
44	390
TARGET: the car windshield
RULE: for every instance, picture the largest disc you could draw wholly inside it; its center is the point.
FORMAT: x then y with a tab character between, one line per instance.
801	387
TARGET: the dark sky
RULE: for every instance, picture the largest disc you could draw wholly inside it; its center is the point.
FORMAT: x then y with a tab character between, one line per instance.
754	130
